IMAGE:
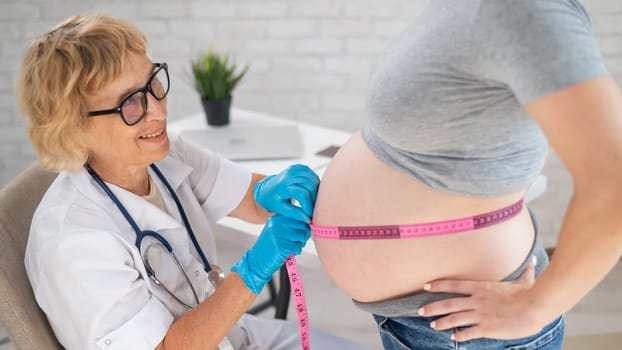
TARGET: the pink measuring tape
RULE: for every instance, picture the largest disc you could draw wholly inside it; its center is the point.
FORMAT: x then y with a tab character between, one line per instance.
418	230
387	232
298	291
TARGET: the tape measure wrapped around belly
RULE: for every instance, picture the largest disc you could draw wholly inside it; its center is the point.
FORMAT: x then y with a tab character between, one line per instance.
418	230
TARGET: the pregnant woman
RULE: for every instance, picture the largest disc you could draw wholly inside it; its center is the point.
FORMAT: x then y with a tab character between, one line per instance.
460	112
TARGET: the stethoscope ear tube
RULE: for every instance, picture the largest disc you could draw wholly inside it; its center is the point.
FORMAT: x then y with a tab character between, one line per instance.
156	280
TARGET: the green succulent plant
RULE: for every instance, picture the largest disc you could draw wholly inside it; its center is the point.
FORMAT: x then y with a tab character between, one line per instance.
216	75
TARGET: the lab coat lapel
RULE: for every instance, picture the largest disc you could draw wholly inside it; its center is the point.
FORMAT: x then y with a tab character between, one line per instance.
175	172
146	215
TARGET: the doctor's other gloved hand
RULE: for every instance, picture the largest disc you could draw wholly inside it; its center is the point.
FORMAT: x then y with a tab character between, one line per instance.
280	238
276	192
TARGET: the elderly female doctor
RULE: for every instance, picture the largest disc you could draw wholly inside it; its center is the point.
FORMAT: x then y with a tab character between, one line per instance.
121	254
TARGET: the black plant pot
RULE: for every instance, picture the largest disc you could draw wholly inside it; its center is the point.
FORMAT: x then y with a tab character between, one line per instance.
217	111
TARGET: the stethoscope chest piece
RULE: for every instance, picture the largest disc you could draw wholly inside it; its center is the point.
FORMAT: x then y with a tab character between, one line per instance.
216	276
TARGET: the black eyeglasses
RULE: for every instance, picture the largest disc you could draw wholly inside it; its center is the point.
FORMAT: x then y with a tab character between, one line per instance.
134	107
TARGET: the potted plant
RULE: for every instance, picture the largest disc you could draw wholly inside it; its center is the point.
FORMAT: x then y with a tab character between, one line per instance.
215	77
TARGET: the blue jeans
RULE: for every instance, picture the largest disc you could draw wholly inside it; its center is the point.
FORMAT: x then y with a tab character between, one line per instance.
414	333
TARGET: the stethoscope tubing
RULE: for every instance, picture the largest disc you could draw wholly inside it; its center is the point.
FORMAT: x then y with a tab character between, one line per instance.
157	281
182	213
142	234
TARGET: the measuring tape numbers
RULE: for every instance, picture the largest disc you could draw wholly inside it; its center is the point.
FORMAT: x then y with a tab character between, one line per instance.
298	292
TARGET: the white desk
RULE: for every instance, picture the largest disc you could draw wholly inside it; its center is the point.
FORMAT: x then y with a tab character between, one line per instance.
315	138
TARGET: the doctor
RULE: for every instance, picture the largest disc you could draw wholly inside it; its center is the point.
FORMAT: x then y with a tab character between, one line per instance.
121	253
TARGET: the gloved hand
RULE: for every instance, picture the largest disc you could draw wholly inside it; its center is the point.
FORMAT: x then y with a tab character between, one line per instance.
280	238
275	192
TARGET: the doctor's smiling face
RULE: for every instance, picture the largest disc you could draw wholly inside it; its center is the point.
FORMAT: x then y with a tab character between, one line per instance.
114	146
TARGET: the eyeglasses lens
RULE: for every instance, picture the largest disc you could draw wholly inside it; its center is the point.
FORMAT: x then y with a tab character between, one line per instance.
159	84
134	106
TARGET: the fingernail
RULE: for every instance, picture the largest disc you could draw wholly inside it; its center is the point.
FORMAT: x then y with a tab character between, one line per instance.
452	337
534	260
420	311
433	324
427	287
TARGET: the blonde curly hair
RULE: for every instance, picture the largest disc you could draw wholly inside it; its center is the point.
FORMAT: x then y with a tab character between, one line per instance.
60	68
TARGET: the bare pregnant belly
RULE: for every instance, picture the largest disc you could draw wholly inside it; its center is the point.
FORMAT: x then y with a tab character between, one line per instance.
358	189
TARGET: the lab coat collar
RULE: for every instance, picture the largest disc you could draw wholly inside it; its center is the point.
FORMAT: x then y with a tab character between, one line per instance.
146	215
174	170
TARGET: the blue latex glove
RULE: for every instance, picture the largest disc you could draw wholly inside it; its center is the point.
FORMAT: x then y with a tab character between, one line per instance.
280	238
275	192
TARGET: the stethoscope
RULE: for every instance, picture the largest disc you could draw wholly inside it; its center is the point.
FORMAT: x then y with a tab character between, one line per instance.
214	273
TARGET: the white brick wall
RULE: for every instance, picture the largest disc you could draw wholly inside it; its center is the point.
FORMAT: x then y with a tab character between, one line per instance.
315	53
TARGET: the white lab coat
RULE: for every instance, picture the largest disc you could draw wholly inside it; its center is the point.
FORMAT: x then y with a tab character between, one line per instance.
88	276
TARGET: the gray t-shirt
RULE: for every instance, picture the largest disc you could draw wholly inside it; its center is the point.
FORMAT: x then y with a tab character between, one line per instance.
445	99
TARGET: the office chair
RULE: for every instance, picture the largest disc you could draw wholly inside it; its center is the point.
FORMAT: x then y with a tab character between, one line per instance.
24	321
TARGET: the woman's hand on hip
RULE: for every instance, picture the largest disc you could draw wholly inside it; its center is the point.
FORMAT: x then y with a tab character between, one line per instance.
499	310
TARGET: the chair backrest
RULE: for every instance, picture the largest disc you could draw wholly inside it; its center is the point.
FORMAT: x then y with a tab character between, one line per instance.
20	315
